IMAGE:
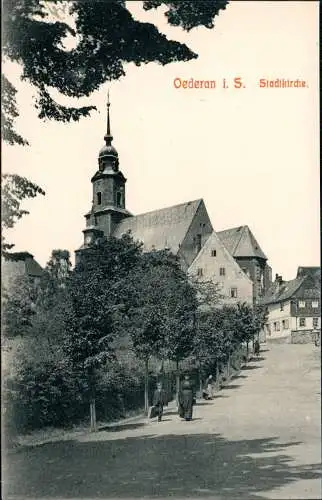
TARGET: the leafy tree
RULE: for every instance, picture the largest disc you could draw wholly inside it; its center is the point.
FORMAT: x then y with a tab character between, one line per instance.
215	337
98	296
260	318
162	316
19	306
59	266
108	37
14	190
250	320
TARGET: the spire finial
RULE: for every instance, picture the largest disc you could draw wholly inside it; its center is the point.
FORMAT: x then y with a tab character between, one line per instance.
108	137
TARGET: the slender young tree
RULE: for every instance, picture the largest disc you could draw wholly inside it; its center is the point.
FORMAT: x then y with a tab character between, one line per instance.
161	318
98	296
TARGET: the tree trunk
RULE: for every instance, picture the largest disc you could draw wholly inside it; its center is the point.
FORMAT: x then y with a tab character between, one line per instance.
177	382
247	350
92	402
200	381
146	387
92	411
217	377
228	367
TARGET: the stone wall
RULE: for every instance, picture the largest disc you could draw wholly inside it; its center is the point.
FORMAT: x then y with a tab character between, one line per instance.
302	337
287	339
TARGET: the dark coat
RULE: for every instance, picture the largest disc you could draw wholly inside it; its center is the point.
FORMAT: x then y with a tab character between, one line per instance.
159	398
186	397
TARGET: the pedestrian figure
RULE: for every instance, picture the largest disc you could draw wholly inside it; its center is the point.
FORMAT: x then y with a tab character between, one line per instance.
209	387
186	398
256	348
159	400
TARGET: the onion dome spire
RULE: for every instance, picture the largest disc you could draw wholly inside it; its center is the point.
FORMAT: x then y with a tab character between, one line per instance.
108	154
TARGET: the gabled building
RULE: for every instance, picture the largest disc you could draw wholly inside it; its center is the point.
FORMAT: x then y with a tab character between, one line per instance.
243	246
16	264
294	306
185	229
214	263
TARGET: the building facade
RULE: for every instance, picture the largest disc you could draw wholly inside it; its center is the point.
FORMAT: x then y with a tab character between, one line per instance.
214	263
294	307
243	246
16	264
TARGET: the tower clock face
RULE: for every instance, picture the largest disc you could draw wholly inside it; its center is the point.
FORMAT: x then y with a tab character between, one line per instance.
88	239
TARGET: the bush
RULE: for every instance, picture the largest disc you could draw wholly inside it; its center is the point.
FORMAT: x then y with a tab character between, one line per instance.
39	395
42	394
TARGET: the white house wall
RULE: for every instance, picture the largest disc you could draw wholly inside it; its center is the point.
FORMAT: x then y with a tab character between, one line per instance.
275	315
234	277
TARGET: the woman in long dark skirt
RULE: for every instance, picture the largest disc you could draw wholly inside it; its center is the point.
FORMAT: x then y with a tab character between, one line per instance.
186	399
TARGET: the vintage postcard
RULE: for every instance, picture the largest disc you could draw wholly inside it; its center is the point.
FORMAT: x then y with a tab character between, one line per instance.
160	250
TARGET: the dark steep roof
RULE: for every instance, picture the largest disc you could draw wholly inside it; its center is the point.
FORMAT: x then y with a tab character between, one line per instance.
241	242
33	268
164	228
313	272
280	292
12	263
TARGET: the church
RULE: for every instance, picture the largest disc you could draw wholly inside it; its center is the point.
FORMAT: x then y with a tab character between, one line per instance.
232	258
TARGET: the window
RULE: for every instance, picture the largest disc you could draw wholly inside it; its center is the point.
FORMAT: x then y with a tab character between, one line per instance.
301	303
268	328
315	322
99	198
213	253
199	271
315	304
118	199
285	324
281	306
222	271
233	293
302	322
277	326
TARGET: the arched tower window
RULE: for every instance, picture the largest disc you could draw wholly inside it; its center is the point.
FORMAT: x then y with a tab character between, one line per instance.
119	199
99	198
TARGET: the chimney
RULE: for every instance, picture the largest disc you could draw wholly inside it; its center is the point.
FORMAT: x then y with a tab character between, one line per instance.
278	281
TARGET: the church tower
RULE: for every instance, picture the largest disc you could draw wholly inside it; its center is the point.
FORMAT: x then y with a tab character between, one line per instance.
108	203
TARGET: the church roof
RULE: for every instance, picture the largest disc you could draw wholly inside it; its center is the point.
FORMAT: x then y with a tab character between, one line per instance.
164	228
241	242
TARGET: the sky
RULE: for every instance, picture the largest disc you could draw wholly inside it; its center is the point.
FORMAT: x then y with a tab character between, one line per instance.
252	153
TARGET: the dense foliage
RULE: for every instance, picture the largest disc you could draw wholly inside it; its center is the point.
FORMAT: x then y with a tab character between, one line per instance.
66	331
107	37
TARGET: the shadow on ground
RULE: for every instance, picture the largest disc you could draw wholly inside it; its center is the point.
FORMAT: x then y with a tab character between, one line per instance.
178	466
121	427
250	367
230	386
